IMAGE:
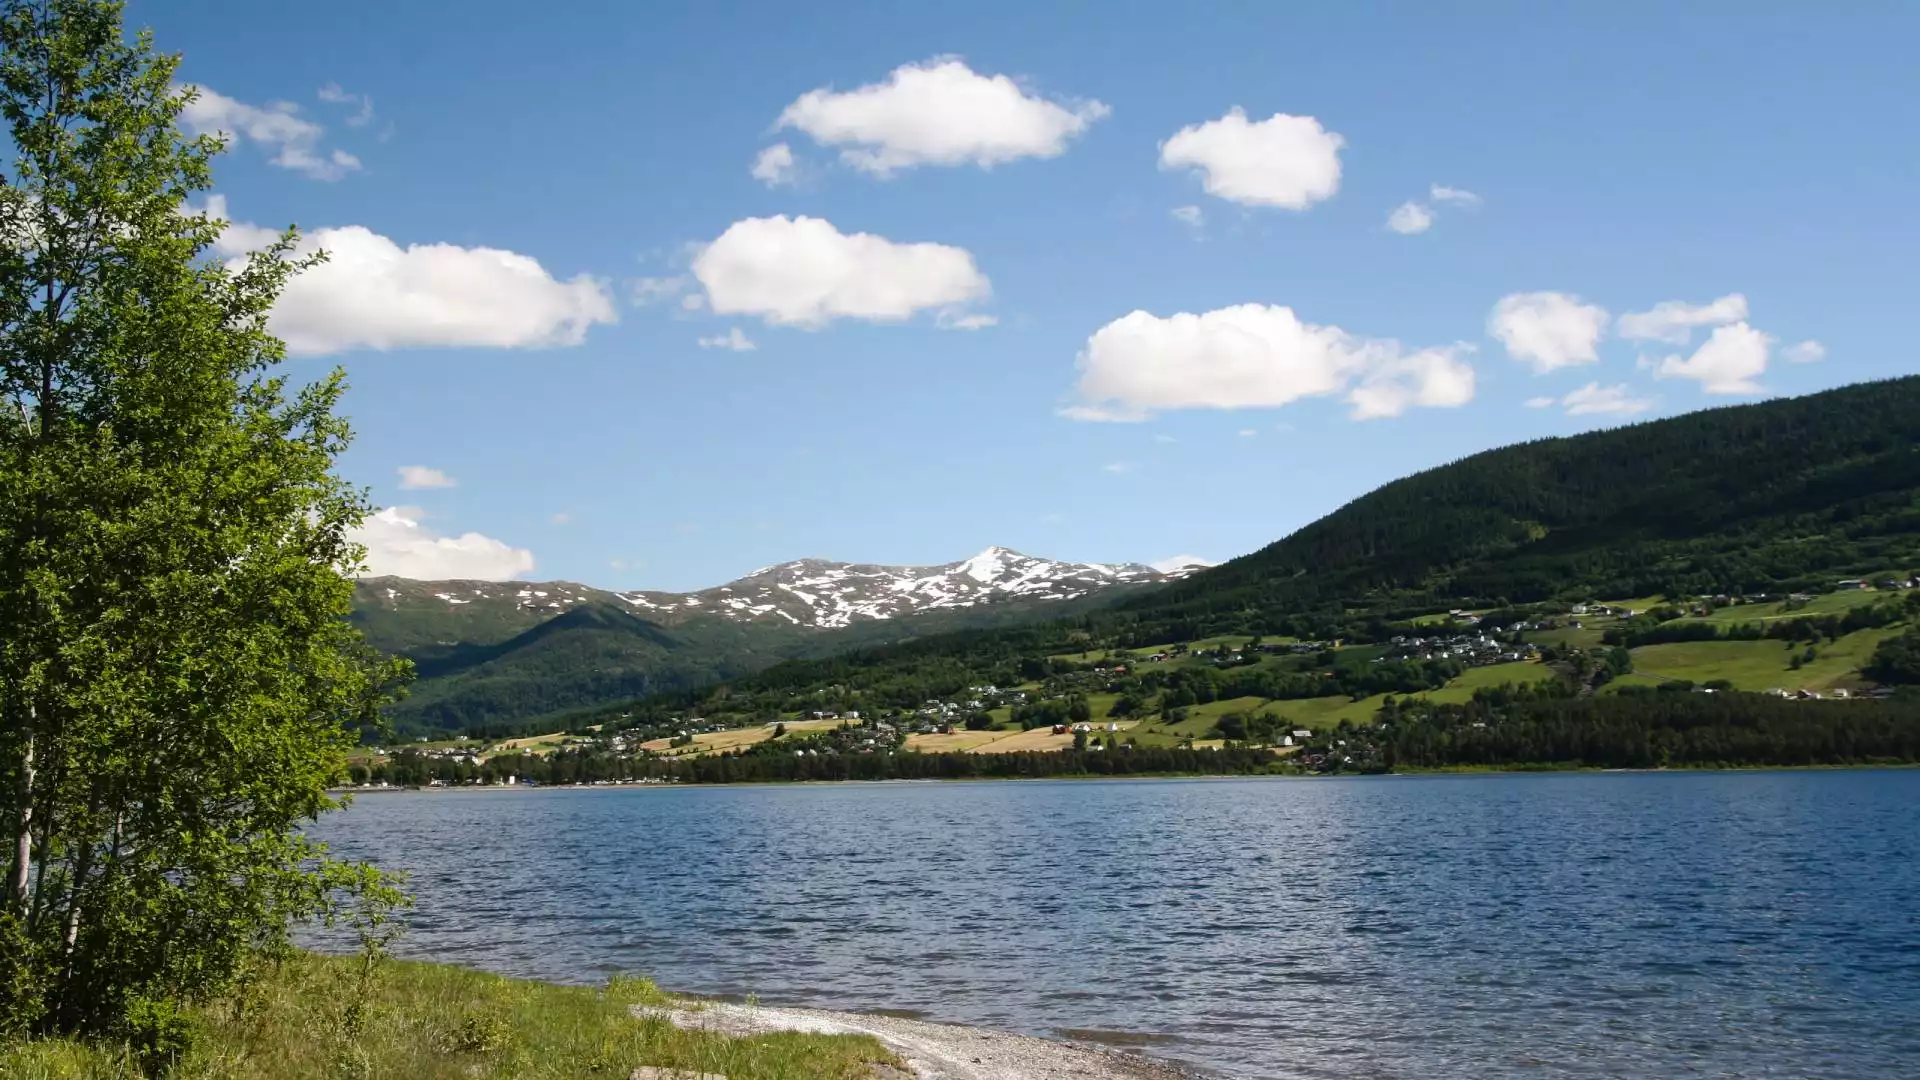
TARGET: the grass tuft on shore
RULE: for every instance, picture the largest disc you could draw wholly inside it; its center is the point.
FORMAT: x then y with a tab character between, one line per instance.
318	1018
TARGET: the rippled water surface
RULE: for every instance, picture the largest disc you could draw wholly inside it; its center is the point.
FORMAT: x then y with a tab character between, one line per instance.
1630	925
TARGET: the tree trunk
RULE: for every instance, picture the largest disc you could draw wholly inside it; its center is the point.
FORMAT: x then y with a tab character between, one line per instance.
23	847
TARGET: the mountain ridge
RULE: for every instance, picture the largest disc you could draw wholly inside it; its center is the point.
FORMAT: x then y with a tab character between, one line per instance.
810	592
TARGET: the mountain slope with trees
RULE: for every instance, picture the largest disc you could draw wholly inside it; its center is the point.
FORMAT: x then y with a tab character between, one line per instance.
1764	498
1744	498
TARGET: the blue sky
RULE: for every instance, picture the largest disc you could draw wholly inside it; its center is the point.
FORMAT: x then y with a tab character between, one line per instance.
1749	166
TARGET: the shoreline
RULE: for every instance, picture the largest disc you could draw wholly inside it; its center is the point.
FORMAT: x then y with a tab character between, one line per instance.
931	1051
1459	770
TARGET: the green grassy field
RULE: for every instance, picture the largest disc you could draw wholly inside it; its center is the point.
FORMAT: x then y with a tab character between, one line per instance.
1761	665
1826	604
434	1022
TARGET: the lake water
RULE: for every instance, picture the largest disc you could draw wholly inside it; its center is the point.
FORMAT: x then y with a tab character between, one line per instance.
1578	925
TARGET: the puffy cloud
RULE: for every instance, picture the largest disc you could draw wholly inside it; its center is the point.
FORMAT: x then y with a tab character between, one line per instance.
1178	562
398	544
1594	399
1456	196
1432	378
1413	216
334	95
940	112
277	126
1548	329
1286	161
1255	356
1189	215
421	477
1806	352
733	339
775	165
1673	321
1410	217
373	294
1728	362
804	272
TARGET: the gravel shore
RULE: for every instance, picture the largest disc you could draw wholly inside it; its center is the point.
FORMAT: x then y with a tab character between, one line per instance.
935	1051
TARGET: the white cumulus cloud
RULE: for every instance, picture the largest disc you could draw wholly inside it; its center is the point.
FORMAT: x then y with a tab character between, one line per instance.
940	112
733	340
293	140
775	165
1806	352
371	293
1256	356
1594	399
1285	161
804	272
399	544
1410	217
1548	329
1730	361
1176	562
421	477
1673	321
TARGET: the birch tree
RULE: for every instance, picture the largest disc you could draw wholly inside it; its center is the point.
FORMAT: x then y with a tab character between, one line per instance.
177	683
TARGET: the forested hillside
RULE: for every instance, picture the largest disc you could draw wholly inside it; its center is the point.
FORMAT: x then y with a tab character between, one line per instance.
1764	498
1734	499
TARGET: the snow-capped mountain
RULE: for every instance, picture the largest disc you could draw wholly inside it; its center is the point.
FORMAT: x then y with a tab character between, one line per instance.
809	592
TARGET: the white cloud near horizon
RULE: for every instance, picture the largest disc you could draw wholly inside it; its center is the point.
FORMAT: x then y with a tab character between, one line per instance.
423	477
1673	321
804	272
1548	330
1805	352
399	544
1730	361
938	112
371	293
733	340
1177	561
1290	162
1256	356
1596	400
293	140
775	165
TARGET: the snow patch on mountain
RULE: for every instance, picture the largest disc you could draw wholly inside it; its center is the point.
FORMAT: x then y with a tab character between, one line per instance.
825	594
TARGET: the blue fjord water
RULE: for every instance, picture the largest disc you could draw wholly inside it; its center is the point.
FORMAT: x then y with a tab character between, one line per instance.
1757	924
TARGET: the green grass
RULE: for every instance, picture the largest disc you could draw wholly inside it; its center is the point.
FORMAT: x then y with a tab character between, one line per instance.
1825	604
1587	637
1761	665
434	1022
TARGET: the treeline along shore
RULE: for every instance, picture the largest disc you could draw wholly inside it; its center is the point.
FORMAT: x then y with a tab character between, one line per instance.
1643	730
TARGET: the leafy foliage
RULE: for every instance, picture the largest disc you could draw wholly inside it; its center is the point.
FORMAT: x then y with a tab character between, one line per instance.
176	678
